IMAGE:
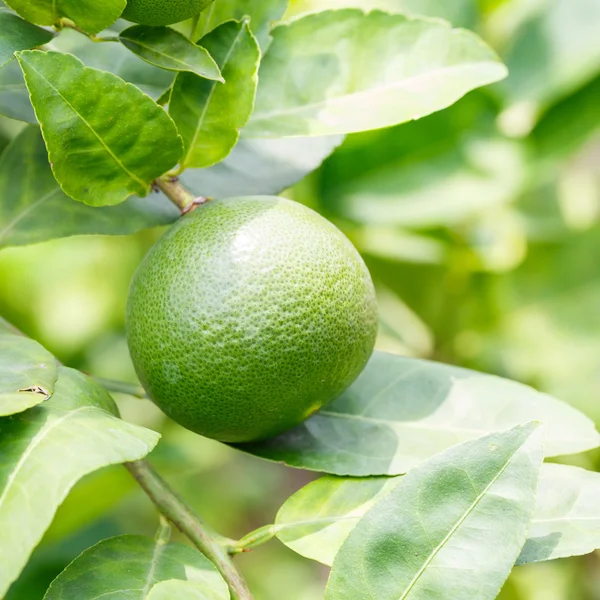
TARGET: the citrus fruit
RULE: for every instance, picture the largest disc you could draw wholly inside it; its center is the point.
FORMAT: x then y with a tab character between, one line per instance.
162	12
248	315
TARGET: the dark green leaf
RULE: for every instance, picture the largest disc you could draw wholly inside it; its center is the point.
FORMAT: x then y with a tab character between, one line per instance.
27	374
169	49
14	98
46	449
259	167
90	15
132	567
33	208
311	84
209	114
466	509
401	411
105	147
262	16
16	34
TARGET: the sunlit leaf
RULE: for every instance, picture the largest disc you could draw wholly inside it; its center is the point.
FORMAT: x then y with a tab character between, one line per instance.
27	374
311	84
89	15
33	208
46	449
130	566
168	49
16	34
105	147
451	528
209	114
401	411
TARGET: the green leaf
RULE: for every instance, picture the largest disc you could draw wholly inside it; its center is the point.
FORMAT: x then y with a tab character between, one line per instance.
27	374
131	566
401	411
6	327
262	15
259	167
185	590
33	208
46	449
14	97
116	59
567	516
101	151
209	114
169	49
17	34
89	15
311	82
453	527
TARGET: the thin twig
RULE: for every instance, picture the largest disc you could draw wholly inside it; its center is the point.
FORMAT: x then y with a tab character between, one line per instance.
182	198
182	516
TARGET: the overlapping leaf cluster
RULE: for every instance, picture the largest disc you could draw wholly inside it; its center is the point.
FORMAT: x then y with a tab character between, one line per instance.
432	471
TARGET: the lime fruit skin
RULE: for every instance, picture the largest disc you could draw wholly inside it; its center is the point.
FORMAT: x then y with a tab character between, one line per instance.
249	315
162	12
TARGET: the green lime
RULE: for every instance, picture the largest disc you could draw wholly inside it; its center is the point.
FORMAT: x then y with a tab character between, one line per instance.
162	12
248	316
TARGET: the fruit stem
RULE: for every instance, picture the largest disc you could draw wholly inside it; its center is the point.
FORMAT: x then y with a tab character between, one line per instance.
122	387
181	515
176	193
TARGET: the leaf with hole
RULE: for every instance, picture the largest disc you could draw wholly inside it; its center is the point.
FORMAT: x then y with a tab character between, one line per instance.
209	114
168	49
105	147
404	410
311	81
28	373
134	566
33	208
46	450
465	510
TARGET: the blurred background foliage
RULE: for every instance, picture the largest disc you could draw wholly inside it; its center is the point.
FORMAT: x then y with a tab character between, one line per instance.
481	226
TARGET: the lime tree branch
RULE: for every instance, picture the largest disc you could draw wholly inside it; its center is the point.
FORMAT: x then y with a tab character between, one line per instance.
172	188
172	507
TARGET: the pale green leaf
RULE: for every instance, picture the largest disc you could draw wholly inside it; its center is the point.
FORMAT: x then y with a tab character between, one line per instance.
262	16
567	516
452	528
16	34
209	114
345	71
103	148
33	208
14	97
130	566
169	49
6	327
259	167
90	15
46	449
405	410
27	374
186	590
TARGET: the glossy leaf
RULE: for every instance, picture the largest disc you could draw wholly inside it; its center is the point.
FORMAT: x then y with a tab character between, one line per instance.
131	566
259	167
46	449
405	410
567	516
310	84
168	49
103	148
16	34
262	16
27	374
466	509
14	97
33	208
89	15
209	114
